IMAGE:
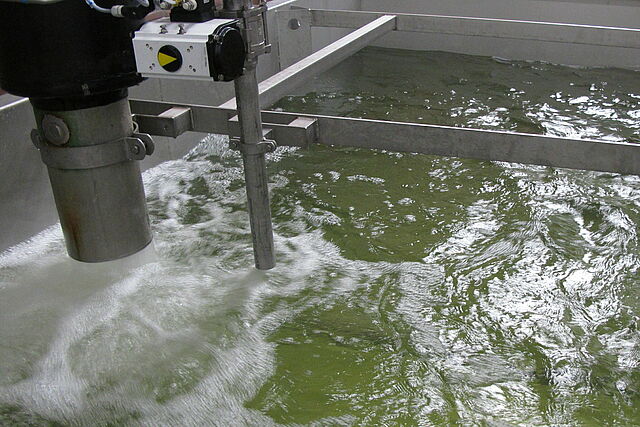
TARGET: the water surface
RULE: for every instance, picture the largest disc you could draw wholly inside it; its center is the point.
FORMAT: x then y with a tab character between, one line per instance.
410	289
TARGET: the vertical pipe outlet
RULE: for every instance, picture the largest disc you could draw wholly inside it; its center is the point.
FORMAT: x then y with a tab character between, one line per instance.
102	210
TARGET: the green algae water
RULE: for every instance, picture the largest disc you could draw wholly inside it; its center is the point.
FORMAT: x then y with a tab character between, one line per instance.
410	289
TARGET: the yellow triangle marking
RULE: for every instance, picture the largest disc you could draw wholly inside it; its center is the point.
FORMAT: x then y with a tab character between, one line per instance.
165	59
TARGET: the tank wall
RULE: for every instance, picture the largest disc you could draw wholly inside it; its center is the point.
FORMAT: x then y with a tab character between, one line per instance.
26	201
616	13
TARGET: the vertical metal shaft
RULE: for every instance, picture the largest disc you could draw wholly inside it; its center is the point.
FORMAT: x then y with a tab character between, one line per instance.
255	171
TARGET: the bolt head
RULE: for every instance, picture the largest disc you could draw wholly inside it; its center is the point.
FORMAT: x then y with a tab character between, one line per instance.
55	130
294	24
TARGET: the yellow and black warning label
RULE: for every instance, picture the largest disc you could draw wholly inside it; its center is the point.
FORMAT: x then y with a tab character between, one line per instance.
170	58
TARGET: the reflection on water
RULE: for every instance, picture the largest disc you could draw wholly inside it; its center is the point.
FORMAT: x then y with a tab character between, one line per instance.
458	90
410	290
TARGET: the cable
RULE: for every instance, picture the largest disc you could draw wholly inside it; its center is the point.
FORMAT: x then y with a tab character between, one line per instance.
92	4
119	10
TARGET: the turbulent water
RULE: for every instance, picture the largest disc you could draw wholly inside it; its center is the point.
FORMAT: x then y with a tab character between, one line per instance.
410	290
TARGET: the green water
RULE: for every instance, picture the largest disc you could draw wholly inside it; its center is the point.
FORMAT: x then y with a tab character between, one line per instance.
410	289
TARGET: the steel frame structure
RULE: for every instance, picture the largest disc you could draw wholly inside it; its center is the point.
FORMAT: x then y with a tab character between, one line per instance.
302	130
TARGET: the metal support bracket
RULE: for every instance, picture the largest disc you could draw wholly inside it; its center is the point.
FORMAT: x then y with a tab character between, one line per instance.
173	122
255	30
167	120
294	36
603	156
299	132
134	147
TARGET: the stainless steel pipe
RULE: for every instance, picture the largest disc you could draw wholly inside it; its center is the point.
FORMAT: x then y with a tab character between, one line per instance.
255	170
102	210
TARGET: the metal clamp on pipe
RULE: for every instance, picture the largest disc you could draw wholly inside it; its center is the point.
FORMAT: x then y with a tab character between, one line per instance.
259	149
254	22
134	147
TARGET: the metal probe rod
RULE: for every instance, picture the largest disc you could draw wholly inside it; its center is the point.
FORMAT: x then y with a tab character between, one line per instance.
255	171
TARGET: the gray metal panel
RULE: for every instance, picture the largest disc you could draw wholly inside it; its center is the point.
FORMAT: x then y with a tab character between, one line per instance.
615	13
7	99
496	28
294	35
26	202
464	38
525	50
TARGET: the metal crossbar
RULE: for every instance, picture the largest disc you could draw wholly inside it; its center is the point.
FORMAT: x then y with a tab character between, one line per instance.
291	129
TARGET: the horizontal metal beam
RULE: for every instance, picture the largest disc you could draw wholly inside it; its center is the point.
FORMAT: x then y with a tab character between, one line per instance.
282	83
481	144
486	27
173	122
160	119
617	157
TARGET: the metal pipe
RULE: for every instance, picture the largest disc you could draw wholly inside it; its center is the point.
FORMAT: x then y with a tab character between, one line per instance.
255	170
102	210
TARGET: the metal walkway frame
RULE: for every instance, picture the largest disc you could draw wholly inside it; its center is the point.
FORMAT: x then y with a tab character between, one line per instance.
302	130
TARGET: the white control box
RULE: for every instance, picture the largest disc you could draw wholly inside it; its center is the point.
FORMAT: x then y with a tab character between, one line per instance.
178	50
